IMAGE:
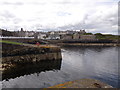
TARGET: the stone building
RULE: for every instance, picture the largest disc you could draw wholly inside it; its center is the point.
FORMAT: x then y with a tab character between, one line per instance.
21	33
29	33
87	37
76	36
82	31
42	36
53	37
67	37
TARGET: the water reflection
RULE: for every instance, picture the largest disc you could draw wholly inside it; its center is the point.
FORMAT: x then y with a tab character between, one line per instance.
26	69
93	62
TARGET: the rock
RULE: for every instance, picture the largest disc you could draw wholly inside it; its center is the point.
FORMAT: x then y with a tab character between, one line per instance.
83	83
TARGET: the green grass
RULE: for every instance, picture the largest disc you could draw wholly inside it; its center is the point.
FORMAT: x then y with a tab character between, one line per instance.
10	42
109	37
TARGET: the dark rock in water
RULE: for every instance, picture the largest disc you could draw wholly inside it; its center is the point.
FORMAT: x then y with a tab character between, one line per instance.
97	85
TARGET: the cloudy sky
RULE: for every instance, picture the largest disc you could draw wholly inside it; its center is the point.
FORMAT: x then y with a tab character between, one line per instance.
45	15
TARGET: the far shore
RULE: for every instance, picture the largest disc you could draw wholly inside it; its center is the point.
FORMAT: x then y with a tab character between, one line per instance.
65	42
88	44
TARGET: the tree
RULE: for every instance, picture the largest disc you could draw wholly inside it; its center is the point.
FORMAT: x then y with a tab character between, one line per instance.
99	34
87	34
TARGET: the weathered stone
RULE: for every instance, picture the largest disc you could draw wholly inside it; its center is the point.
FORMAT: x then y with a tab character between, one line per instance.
83	83
27	57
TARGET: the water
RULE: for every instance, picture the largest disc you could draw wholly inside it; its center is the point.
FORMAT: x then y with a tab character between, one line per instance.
78	62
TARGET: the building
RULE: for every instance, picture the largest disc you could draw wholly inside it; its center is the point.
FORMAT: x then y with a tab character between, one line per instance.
5	33
67	37
29	33
42	36
87	37
76	36
82	31
53	37
21	33
70	32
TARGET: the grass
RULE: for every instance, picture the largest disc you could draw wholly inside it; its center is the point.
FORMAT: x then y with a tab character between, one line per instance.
17	43
108	37
10	42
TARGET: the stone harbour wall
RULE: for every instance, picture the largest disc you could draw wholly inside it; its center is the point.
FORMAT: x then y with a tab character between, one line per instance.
29	56
32	58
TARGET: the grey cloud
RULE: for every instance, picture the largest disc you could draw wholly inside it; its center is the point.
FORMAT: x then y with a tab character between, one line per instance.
38	3
10	3
64	2
22	3
70	27
8	17
63	13
104	25
7	14
67	2
17	20
112	18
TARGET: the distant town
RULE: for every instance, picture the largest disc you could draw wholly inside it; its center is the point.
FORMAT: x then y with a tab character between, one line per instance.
58	35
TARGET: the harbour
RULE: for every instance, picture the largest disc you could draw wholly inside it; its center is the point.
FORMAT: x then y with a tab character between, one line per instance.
100	63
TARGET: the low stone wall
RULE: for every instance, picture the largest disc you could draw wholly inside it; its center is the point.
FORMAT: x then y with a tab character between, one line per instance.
19	50
31	58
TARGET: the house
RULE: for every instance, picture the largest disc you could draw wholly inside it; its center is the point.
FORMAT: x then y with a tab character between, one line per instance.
82	31
42	36
21	33
36	35
51	32
67	37
87	37
29	33
61	32
53	37
76	36
70	32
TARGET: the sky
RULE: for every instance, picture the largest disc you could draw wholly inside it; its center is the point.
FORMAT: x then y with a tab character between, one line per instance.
46	15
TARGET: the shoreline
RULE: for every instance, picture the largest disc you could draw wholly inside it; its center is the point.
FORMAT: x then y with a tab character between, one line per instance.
88	44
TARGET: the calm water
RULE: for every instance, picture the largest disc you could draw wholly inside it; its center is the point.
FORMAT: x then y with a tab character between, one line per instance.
78	62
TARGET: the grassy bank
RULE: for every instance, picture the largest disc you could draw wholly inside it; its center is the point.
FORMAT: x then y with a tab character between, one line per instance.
10	42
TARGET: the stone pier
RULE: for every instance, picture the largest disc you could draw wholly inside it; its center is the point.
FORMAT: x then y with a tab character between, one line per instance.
17	58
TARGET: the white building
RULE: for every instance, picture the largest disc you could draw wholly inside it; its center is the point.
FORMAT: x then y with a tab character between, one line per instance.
41	36
53	37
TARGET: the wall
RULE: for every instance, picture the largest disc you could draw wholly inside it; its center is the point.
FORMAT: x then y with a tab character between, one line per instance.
28	58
